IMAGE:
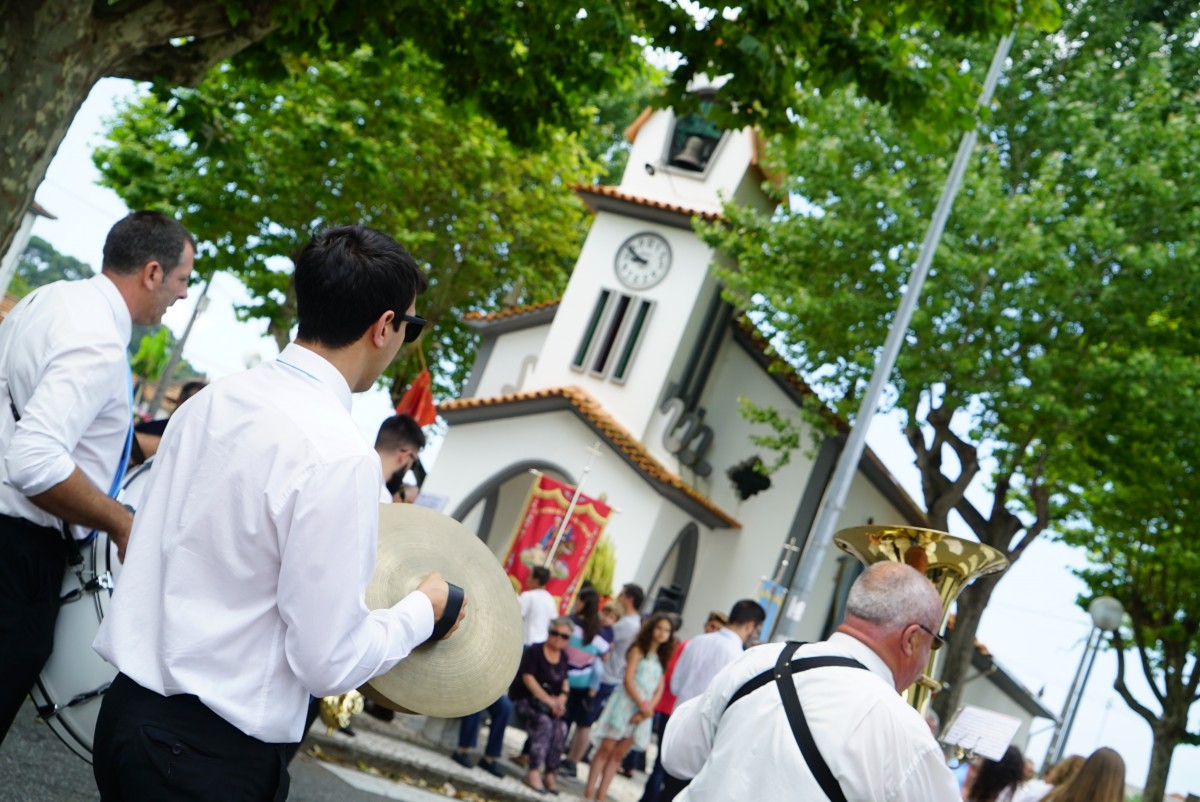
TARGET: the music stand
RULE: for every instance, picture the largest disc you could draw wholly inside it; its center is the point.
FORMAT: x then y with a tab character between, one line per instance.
978	731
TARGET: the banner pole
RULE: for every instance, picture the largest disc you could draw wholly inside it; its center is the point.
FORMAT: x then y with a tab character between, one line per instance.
566	521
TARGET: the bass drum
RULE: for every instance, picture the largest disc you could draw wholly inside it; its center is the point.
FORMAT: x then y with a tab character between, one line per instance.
72	683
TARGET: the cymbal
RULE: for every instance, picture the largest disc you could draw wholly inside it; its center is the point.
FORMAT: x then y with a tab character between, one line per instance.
473	667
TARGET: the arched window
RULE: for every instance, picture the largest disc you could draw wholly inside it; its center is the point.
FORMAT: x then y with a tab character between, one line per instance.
673	579
491	510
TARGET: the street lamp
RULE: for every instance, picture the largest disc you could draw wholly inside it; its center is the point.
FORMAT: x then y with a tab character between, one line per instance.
1106	614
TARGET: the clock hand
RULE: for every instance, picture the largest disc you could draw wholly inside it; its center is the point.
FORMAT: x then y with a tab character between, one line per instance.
634	254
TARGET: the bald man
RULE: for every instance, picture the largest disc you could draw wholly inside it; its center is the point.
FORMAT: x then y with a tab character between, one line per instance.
737	741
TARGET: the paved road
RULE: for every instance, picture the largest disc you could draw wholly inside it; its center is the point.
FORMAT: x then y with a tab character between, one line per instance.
36	767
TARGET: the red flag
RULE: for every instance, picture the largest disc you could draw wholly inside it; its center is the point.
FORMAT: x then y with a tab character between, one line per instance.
539	526
417	400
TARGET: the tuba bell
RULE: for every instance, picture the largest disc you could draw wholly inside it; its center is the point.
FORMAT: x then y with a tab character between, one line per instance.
951	563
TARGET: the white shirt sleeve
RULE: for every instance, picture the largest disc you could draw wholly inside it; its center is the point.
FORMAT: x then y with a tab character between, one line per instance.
688	739
67	398
328	536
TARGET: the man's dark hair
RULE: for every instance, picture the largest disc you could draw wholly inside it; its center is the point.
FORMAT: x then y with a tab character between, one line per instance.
635	593
542	574
399	431
747	610
346	278
190	389
143	237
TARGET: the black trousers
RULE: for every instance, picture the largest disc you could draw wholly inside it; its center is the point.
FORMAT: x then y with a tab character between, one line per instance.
671	787
32	561
150	748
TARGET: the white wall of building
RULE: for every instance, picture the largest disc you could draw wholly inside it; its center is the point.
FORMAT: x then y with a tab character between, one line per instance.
476	452
511	361
675	299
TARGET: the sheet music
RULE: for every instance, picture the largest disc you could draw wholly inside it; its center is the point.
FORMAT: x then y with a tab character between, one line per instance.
984	732
434	501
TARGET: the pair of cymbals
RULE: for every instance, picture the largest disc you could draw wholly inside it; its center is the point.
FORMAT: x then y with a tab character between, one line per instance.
473	667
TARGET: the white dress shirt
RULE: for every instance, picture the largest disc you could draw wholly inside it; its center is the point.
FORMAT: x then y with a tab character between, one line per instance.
63	362
706	655
878	748
252	550
538	609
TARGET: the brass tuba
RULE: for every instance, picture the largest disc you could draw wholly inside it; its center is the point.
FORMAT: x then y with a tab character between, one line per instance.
951	563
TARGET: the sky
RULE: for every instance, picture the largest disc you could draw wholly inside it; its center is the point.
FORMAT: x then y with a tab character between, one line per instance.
1033	626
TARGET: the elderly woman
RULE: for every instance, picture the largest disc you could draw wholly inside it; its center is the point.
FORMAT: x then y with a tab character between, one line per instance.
539	695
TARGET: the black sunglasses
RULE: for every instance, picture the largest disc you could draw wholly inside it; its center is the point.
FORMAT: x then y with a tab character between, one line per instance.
563	635
413	330
938	640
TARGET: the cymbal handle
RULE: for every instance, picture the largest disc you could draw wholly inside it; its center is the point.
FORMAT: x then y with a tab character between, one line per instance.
454	603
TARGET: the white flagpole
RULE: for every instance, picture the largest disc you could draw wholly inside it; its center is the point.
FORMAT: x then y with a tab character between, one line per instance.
595	452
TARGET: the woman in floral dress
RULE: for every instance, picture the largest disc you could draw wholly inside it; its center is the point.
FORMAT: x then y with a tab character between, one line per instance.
626	720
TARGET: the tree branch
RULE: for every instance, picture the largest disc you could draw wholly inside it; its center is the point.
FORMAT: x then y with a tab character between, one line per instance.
142	36
968	457
1119	685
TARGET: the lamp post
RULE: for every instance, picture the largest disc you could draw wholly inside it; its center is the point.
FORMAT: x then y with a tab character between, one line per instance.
1106	614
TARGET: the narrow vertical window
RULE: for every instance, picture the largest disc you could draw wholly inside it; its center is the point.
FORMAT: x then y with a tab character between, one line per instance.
589	334
612	331
631	341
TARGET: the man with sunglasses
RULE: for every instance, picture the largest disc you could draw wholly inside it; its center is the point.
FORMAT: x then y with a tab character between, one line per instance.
824	720
256	540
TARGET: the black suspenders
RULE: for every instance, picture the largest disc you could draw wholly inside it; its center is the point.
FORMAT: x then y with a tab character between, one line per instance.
781	675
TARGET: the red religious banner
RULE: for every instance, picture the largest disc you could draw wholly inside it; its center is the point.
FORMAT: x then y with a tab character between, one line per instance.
541	537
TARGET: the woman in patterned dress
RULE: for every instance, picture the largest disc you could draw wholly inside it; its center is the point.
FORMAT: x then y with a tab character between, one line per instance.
626	719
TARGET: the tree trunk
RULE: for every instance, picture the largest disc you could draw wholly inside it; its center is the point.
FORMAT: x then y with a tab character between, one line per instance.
1160	765
51	63
960	646
54	51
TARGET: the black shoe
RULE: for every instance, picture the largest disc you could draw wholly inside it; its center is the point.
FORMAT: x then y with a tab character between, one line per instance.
346	731
489	765
462	759
567	768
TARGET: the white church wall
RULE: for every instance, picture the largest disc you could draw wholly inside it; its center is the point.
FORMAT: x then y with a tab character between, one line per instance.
633	402
511	361
476	452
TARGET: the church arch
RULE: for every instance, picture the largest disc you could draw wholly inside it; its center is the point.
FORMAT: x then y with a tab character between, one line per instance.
491	509
677	568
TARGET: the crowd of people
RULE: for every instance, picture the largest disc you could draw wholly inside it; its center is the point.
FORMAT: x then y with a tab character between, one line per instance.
598	685
1098	778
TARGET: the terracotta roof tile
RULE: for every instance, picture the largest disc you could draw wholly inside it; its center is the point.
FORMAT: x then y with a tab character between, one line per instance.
513	312
617	435
616	194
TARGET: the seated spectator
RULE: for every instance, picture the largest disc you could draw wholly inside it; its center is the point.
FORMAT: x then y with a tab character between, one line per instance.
539	696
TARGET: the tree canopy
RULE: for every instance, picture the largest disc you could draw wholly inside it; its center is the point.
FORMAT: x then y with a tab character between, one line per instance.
1071	247
361	137
524	64
41	263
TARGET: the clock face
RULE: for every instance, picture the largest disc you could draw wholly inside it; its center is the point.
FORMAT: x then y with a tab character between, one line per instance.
643	260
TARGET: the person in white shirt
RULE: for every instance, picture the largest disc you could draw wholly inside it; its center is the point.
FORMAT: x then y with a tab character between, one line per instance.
65	427
243	590
708	653
538	607
874	747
